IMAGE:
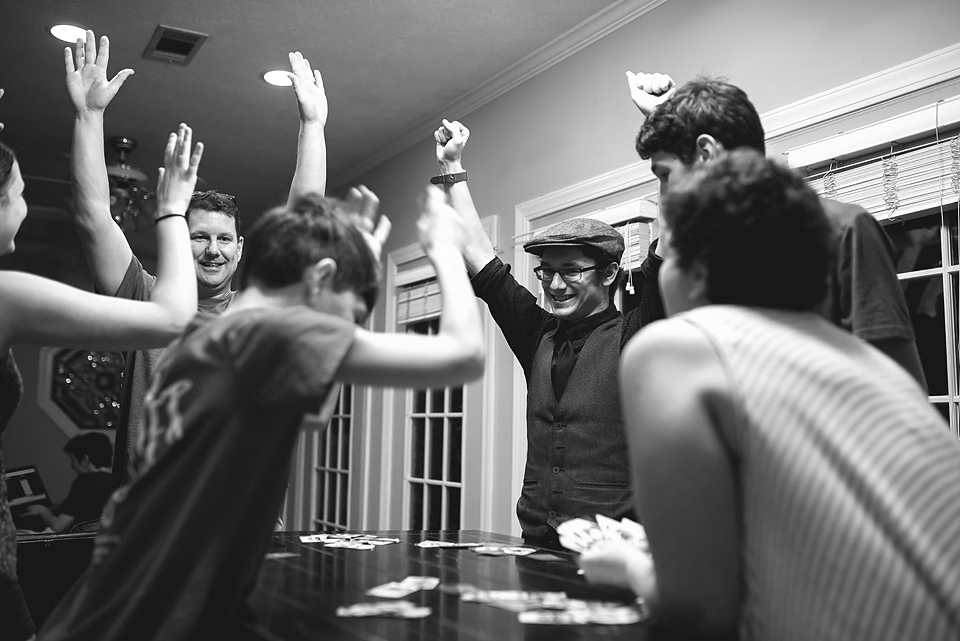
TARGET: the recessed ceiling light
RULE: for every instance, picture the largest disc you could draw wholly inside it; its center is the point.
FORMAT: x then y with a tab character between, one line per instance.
277	78
68	32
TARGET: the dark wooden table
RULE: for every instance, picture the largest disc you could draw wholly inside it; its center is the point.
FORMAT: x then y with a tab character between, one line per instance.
297	597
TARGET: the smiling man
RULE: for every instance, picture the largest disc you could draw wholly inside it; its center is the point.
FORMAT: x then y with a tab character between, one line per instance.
576	448
213	217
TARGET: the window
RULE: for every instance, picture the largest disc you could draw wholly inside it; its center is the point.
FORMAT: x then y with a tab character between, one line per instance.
435	471
913	189
332	466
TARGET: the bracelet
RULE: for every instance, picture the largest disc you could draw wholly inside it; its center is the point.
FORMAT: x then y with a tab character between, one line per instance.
168	216
449	179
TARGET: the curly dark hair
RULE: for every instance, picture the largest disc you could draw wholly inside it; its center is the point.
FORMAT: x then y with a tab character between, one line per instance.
285	240
758	229
701	106
217	202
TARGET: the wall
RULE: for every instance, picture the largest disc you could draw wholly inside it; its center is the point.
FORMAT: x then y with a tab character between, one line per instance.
575	120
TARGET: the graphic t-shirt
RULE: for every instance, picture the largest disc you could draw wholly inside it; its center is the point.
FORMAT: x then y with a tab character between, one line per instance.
182	544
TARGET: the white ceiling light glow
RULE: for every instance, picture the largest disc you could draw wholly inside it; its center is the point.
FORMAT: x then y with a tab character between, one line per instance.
68	32
278	78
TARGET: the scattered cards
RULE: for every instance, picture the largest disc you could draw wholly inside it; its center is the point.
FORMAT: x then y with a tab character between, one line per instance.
396	609
580	535
347	540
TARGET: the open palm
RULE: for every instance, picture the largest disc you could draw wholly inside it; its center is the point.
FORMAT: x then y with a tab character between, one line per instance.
87	82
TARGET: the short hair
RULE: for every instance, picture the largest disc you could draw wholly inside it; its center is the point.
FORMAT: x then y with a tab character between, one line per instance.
93	445
286	240
7	158
218	202
603	259
701	106
758	229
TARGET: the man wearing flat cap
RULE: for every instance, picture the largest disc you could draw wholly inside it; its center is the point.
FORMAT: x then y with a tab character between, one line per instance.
576	447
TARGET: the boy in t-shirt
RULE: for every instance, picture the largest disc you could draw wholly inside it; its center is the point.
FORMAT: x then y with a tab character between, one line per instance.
90	457
181	545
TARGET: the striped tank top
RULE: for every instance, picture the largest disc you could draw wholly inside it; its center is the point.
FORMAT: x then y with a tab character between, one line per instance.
849	484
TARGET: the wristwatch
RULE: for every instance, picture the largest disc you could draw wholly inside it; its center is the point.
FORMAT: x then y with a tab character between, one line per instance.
449	179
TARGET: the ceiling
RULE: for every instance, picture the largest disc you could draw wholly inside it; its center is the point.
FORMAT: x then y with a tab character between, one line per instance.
390	69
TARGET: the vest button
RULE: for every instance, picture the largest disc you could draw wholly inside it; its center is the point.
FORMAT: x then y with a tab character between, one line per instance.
559	426
553	513
556	469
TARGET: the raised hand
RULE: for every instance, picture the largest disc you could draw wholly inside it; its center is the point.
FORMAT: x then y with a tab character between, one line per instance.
308	85
178	176
439	224
648	90
451	137
87	83
362	206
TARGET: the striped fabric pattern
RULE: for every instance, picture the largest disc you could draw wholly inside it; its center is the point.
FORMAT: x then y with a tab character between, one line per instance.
849	484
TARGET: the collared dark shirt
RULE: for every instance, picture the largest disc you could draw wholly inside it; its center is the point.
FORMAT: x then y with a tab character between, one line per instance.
523	322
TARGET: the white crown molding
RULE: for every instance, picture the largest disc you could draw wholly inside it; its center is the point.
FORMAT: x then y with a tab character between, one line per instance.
944	113
920	73
563	46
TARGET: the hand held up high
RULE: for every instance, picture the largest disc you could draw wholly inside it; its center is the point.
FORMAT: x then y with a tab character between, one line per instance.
362	207
451	138
87	83
308	86
178	176
649	90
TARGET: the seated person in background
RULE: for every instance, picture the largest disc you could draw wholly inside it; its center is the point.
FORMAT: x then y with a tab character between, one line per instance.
793	480
181	546
213	217
90	457
696	123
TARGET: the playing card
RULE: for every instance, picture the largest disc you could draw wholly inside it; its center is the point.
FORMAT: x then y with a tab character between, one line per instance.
392	590
504	550
447	544
398	609
421	582
280	555
313	538
348	544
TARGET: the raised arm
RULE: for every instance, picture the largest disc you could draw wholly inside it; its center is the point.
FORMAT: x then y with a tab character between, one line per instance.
451	357
106	248
310	176
44	312
451	137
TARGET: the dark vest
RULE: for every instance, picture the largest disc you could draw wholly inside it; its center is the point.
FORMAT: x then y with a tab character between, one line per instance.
577	463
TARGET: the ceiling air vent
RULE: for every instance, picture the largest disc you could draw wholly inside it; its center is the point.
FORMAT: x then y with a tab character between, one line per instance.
174	45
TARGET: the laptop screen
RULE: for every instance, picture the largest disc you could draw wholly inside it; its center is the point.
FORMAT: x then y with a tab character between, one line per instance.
25	488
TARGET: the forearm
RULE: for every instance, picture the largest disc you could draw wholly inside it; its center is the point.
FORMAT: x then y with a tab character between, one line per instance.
91	185
310	175
479	250
106	248
175	291
460	315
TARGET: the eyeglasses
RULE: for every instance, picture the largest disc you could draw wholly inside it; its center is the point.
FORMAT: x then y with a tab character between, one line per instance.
568	274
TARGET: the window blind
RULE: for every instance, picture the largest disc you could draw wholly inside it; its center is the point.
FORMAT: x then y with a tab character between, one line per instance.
418	301
899	183
636	239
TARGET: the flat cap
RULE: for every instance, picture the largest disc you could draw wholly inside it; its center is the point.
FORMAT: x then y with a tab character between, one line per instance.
579	232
